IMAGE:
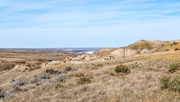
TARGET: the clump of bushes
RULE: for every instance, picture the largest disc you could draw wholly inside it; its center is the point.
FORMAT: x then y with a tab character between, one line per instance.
122	69
174	67
4	65
172	84
83	80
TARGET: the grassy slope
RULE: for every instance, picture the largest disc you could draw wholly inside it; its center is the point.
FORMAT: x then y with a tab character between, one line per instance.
170	46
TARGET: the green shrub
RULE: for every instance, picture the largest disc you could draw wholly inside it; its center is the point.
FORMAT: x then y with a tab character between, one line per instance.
165	82
175	84
174	67
172	84
84	80
122	69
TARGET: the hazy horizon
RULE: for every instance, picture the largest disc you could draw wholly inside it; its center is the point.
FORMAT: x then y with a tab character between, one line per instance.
87	23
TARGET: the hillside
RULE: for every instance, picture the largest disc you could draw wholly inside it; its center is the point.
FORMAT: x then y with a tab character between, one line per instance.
96	77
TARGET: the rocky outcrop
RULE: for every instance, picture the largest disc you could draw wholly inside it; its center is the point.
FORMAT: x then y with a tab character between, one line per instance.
123	52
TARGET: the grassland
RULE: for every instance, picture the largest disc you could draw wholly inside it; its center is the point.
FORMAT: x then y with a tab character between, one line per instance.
95	81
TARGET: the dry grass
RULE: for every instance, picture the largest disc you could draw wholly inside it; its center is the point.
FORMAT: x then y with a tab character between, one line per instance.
170	46
141	85
32	55
142	44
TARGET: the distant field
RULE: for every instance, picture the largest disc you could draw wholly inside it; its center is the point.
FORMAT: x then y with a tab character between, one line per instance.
32	54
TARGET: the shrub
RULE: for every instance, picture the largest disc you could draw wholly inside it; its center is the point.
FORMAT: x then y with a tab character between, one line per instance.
174	67
84	80
5	95
53	71
172	84
66	69
60	78
174	43
122	69
176	49
21	82
175	84
7	65
43	76
165	82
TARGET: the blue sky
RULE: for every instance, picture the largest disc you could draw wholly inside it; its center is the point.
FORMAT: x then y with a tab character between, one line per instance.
86	23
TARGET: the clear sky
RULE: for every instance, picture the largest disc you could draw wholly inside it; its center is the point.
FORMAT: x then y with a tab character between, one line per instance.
86	23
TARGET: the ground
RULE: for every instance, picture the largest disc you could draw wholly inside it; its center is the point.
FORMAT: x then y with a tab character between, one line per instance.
94	81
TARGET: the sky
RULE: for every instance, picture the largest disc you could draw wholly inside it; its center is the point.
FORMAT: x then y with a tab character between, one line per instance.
86	23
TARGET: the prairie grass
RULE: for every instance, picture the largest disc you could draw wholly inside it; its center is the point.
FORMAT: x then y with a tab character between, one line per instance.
141	85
